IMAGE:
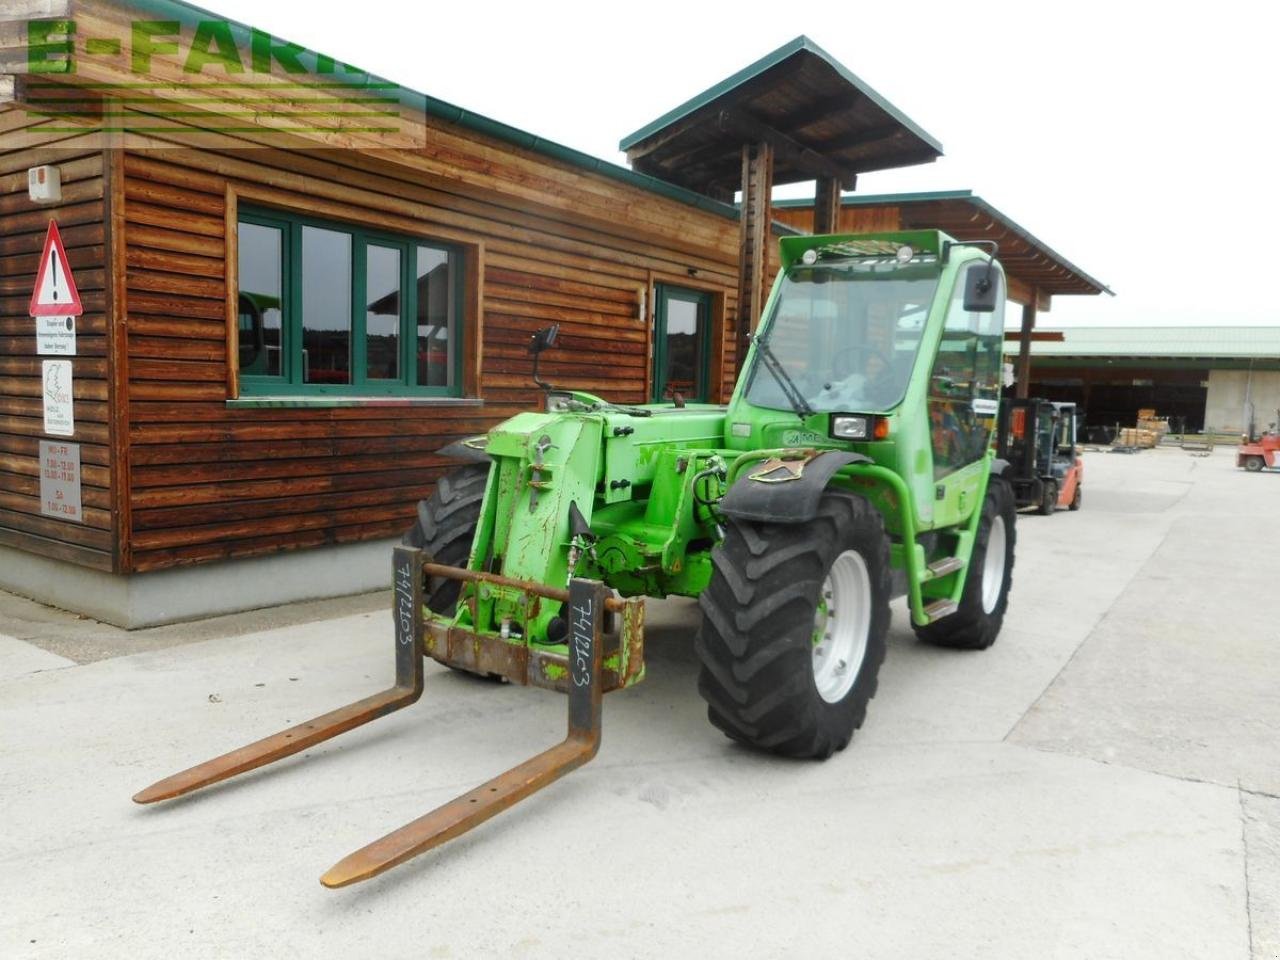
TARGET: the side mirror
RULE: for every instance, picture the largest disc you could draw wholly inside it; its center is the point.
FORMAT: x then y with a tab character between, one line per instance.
981	288
544	339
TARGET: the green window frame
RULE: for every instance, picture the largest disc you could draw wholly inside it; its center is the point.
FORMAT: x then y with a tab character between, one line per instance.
292	379
700	300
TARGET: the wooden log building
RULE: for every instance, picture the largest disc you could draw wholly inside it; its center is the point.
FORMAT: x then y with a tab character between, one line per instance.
300	282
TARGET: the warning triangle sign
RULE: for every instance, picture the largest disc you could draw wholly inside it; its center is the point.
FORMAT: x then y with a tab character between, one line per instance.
55	294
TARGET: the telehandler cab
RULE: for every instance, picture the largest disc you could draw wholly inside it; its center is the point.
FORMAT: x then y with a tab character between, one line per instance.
852	464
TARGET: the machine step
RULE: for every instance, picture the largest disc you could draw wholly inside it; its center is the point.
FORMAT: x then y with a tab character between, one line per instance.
939	609
944	567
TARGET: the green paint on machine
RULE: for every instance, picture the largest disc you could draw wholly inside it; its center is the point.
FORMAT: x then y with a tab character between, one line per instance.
802	438
887	327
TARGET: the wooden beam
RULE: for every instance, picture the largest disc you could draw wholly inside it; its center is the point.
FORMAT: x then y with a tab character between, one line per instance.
871	164
685	161
794	152
667	134
753	258
1038	336
826	206
1024	350
677	165
118	360
56	99
869	138
824	109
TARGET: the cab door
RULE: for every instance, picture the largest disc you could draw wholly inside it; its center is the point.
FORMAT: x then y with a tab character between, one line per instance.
964	399
681	340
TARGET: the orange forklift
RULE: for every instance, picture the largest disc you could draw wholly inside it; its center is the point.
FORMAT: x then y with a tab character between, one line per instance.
1262	452
1038	440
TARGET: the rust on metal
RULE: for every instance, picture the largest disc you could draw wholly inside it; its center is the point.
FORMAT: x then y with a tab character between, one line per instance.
406	612
633	636
516	662
583	677
587	601
527	586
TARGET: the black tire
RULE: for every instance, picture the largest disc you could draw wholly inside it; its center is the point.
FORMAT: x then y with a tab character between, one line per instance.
1253	464
1077	498
756	645
1048	499
973	627
445	527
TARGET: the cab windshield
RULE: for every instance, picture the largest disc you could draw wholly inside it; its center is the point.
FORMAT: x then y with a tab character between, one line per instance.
846	333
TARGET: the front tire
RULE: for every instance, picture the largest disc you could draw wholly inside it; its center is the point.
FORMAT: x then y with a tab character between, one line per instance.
976	624
445	527
793	628
1253	464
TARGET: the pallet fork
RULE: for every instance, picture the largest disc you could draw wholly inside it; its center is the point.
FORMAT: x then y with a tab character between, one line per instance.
587	601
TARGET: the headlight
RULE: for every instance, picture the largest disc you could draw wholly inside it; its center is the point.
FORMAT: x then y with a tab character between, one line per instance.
558	402
849	428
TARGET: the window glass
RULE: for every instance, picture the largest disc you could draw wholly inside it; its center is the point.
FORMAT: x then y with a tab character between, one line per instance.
684	349
341	309
382	313
435	310
964	386
326	306
680	343
261	296
846	334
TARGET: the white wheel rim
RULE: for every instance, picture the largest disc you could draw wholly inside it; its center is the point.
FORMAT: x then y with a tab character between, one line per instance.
993	566
841	626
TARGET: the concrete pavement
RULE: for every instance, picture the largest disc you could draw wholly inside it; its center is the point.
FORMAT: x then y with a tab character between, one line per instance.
1101	783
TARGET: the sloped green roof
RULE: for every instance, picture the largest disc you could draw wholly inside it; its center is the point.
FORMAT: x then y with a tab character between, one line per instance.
800	43
938	200
1167	342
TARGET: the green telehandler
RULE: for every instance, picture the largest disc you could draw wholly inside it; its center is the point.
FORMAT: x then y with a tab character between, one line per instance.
852	465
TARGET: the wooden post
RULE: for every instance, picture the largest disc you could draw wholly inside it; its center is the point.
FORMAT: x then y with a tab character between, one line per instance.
826	206
753	258
1024	346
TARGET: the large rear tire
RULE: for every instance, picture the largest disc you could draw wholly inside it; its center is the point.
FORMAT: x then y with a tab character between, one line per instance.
976	624
793	628
445	527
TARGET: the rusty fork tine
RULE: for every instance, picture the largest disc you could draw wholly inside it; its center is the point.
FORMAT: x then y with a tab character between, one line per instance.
587	606
408	688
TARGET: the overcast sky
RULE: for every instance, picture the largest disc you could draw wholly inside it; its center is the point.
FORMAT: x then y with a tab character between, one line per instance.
1135	139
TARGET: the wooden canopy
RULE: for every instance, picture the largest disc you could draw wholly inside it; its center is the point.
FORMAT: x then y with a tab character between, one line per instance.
1035	271
820	119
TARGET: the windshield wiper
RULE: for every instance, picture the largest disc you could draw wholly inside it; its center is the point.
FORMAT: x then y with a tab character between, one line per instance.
789	388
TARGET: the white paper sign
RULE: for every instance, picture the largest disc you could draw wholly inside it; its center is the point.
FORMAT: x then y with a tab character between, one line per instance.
56	336
60	481
59	418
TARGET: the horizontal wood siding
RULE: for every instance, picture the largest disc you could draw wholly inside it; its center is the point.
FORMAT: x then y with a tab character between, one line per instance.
23	226
849	219
210	481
